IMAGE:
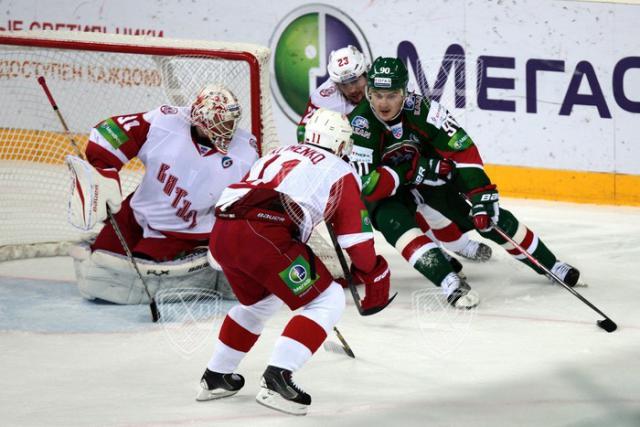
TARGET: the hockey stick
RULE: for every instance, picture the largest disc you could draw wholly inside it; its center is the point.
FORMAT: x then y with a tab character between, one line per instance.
607	324
344	349
155	314
349	278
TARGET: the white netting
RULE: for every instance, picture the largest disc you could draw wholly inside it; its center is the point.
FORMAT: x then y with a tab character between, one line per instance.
90	85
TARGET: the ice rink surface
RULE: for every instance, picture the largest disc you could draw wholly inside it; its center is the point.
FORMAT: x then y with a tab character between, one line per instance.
529	355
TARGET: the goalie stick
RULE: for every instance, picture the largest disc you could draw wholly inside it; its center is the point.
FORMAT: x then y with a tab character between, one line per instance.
607	324
155	314
349	278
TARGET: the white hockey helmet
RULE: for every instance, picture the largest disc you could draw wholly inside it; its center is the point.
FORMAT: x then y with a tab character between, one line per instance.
216	112
331	130
346	64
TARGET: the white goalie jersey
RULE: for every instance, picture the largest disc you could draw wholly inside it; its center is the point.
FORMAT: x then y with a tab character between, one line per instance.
183	179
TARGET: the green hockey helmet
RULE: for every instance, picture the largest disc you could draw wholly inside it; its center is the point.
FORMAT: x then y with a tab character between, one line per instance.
388	73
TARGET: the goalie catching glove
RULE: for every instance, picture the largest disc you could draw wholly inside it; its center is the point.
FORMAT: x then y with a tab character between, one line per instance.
376	282
92	191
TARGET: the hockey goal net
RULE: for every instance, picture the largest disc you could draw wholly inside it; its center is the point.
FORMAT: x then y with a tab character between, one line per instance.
94	76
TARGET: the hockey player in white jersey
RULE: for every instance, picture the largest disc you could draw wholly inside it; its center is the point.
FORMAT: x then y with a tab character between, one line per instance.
190	154
341	92
258	239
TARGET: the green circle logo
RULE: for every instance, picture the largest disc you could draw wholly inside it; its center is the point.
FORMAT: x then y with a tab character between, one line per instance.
301	45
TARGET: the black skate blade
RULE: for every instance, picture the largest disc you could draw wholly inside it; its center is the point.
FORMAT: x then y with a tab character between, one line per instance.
607	324
374	310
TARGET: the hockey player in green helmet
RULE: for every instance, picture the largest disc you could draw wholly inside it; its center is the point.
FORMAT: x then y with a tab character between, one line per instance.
410	151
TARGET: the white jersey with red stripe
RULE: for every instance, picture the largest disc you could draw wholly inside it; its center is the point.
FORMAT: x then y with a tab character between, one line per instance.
322	185
183	179
328	96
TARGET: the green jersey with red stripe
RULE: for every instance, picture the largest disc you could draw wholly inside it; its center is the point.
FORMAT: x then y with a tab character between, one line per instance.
427	125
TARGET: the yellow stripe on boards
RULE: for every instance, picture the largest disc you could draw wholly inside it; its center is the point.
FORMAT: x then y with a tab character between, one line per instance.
566	185
35	146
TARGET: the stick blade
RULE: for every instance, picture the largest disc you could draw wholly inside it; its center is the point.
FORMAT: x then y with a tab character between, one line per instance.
155	314
337	348
608	325
374	310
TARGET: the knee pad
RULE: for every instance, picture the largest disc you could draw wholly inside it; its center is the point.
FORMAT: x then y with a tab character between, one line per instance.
253	317
434	218
393	219
327	308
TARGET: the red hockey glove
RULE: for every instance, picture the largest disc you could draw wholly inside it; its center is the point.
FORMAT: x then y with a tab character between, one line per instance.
377	283
484	206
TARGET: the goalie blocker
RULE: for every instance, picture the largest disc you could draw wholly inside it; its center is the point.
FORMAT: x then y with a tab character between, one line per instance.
92	190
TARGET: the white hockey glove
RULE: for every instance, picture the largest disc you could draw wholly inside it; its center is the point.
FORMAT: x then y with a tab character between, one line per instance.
92	190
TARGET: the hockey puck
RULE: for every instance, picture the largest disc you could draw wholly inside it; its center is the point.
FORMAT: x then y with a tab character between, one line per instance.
608	325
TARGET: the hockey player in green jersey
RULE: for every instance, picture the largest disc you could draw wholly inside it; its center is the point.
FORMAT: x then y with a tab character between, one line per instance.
410	150
342	92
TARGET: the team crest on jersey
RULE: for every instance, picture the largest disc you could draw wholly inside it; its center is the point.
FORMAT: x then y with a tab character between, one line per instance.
360	122
227	162
297	276
167	109
328	91
203	149
397	130
409	103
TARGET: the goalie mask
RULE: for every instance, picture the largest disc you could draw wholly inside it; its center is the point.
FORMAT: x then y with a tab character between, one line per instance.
216	113
346	65
331	130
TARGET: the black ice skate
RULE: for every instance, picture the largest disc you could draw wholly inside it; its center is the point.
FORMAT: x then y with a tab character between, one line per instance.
566	272
279	392
215	385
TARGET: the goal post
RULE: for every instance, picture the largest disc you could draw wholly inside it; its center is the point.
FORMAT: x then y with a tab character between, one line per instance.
94	76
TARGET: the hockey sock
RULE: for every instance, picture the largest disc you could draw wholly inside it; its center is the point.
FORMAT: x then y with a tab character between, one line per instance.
441	228
299	340
525	238
305	332
451	237
423	255
233	344
240	330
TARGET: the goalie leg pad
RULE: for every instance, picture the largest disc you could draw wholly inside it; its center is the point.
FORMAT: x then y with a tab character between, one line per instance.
110	277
